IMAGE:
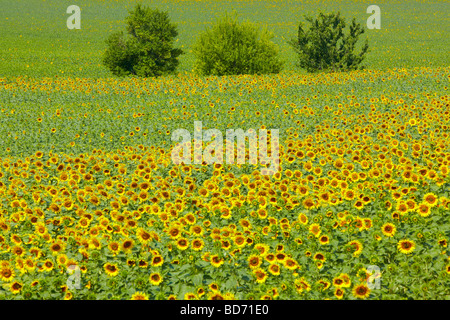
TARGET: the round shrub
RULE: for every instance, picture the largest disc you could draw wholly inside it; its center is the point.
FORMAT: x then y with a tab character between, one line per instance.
147	49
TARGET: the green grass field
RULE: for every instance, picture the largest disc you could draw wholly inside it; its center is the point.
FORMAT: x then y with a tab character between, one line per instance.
35	40
88	184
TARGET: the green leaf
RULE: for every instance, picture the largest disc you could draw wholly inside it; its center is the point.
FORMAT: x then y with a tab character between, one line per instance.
197	280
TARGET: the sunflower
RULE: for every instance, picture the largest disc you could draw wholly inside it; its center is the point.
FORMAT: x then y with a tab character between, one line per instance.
139	296
62	259
262	248
281	257
48	265
274	269
175	232
443	242
157	261
6	274
215	296
359	204
200	292
270	257
406	246
18	251
197	244
127	245
309	203
319	256
240	241
142	263
143	236
389	229
302	285
155	279
214	287
68	295
114	247
190	296
290	264
324	239
339	293
16	287
56	248
254	261
182	243
302	218
361	291
357	247
315	229
430	199
111	269
348	194
424	210
216	261
260	274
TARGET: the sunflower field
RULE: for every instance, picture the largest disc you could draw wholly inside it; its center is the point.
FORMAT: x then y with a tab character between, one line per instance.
88	189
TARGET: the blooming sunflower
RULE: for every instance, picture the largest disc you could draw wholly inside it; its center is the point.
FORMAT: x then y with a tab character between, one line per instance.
139	296
254	261
182	243
274	269
197	244
111	269
143	235
430	199
16	287
406	246
155	279
6	273
157	261
339	293
216	261
315	229
357	246
361	291
388	229
423	210
324	239
260	274
290	264
262	248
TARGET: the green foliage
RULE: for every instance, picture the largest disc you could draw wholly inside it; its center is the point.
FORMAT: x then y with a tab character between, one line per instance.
325	47
233	48
147	50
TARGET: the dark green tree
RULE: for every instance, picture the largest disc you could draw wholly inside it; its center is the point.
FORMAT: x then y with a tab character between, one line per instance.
325	46
232	48
147	50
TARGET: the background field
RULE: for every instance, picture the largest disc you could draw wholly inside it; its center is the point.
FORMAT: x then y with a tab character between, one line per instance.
35	40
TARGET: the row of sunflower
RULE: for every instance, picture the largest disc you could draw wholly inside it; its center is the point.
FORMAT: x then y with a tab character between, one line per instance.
364	184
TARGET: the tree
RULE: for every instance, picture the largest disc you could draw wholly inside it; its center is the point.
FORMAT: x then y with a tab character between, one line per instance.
232	48
147	50
325	47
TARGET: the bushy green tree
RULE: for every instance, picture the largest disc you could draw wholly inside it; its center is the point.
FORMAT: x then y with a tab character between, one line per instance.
147	50
232	48
325	46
